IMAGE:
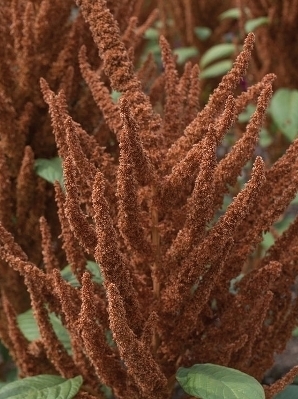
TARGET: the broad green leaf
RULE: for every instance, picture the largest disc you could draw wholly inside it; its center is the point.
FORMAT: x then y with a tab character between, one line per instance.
91	266
153	48
295	333
216	52
284	112
42	387
184	53
49	169
10	371
28	324
268	240
233	13
295	381
290	392
202	32
68	276
151	34
265	139
218	69
115	95
253	24
160	24
95	271
227	200
29	328
283	224
108	393
210	381
247	113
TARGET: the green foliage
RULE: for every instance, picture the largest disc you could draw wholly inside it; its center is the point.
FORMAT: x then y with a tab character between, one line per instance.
29	328
7	365
151	34
217	69
115	95
295	332
202	32
265	138
247	113
216	52
210	381
284	112
233	13
42	387
252	24
268	240
91	266
290	392
280	227
28	324
184	53
226	49
49	169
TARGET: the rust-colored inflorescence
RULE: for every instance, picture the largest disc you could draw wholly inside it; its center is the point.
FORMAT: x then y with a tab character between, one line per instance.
142	200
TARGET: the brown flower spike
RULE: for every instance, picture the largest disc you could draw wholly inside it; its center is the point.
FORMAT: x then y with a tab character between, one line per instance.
142	201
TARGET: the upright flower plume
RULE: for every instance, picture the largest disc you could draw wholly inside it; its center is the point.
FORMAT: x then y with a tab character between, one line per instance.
136	253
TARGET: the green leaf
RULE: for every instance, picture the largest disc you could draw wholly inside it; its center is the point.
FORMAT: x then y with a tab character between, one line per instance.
295	200
290	392
253	24
265	139
233	13
68	276
218	69
29	328
93	268
42	387
107	391
268	240
184	53
282	225
247	113
153	48
151	34
284	112
49	169
295	332
210	381
227	200
216	52
115	95
202	32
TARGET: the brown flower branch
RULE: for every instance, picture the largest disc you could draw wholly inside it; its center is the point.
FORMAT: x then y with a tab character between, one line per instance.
50	260
107	254
149	214
137	358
